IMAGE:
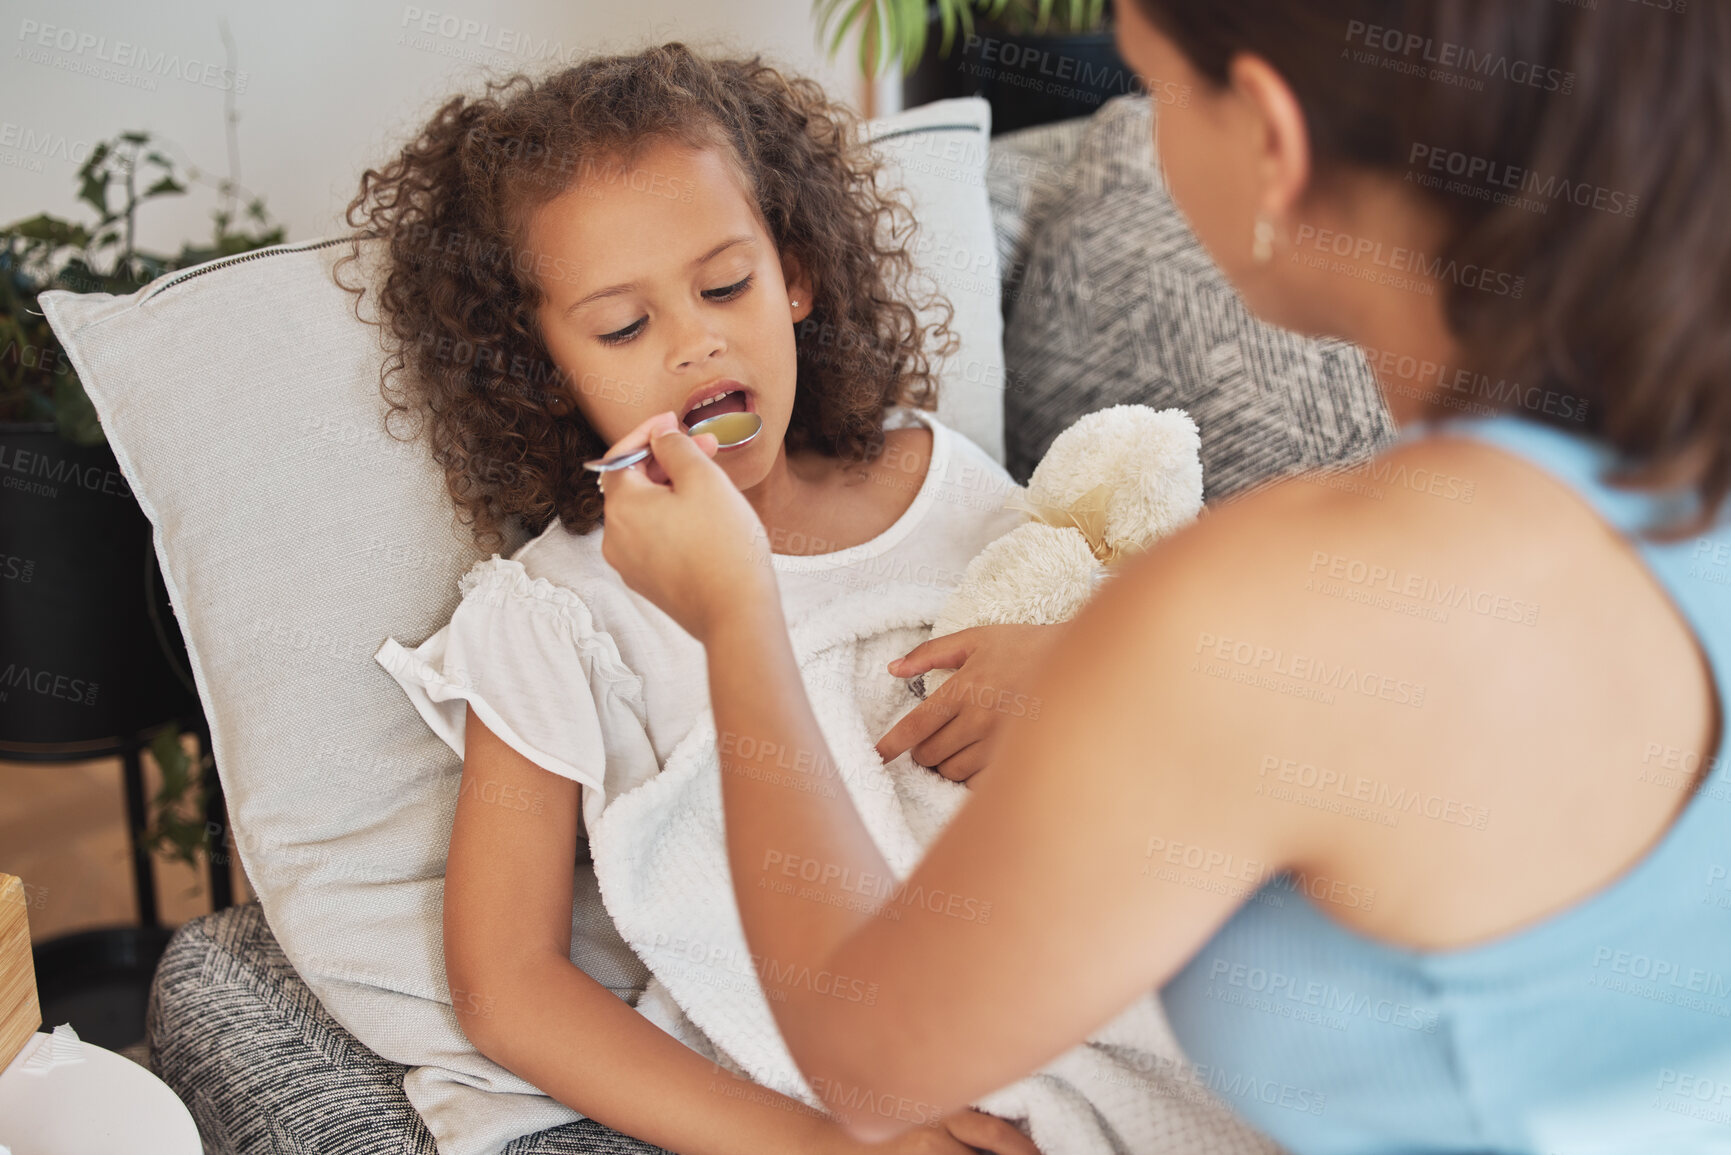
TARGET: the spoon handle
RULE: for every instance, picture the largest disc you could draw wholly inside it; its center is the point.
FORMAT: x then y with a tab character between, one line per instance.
623	461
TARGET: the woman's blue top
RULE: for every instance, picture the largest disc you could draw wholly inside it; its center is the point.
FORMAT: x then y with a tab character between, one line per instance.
1602	1030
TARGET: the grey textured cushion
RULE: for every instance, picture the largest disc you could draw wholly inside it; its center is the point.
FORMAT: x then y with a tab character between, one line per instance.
1026	177
1110	299
266	1070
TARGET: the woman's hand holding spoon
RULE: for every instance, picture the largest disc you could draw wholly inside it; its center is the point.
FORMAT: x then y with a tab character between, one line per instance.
686	544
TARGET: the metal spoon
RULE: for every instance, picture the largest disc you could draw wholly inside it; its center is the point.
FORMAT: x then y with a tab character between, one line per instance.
730	430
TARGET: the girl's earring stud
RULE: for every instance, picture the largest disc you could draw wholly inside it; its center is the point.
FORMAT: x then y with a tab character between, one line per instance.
1262	241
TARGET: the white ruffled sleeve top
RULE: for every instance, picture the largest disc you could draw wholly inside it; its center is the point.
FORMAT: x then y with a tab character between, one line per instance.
590	681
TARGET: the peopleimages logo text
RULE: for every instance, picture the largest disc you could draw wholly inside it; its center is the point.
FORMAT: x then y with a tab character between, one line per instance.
1446	55
123	54
1398	259
1484	172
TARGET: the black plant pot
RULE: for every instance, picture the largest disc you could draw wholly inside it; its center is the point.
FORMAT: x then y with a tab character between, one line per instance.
91	658
89	646
1027	80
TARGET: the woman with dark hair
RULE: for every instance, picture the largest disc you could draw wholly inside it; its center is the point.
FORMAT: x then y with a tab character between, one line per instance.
1405	789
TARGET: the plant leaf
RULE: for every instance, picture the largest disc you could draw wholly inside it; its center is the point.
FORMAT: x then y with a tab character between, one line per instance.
94	160
171	759
172	830
94	193
910	21
860	11
823	14
166	185
834	21
870	50
52	230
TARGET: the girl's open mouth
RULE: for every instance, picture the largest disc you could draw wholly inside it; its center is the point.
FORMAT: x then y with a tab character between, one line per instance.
723	401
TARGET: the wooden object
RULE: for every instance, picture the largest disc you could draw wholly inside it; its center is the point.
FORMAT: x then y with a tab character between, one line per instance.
20	1014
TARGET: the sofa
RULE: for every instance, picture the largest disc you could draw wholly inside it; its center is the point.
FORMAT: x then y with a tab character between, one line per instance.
1104	298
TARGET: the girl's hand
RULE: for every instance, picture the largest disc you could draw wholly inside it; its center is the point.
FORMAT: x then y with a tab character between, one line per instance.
689	546
950	730
962	1133
984	1132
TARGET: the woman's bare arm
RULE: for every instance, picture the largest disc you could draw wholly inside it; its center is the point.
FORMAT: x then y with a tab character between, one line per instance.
526	1006
1030	922
1046	893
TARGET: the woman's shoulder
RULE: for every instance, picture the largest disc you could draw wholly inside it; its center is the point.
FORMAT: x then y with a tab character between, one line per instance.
1429	624
1334	600
1367	589
1438	496
1260	635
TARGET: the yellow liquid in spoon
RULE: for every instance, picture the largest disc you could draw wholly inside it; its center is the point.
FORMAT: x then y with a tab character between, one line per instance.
730	429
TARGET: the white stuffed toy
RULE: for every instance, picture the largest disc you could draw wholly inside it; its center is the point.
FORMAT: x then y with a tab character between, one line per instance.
1110	485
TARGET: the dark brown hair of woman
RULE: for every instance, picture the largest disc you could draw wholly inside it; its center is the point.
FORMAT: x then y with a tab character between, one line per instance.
458	300
1617	116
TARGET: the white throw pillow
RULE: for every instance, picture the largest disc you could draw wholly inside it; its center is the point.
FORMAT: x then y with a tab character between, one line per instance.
241	399
939	151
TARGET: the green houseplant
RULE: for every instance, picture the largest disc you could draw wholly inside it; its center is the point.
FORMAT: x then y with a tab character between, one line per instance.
102	623
102	256
1034	61
898	30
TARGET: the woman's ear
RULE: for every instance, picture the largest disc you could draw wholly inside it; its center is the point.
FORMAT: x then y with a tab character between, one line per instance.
799	287
1283	159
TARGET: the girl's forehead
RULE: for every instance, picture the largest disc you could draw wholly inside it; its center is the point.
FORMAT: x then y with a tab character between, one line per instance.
665	183
655	211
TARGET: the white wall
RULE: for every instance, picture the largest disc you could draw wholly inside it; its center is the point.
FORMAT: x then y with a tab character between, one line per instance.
328	86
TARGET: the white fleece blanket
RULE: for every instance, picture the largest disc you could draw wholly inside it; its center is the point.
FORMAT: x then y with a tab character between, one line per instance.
660	856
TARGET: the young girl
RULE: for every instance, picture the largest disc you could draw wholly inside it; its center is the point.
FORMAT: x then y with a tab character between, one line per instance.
566	258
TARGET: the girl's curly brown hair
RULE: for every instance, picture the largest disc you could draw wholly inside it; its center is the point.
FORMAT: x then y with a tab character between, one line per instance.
459	306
